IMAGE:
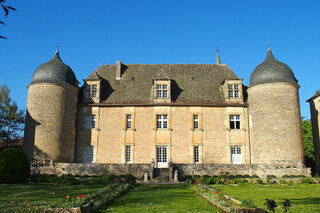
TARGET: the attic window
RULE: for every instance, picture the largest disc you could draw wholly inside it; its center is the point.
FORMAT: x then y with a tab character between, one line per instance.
91	91
162	91
233	90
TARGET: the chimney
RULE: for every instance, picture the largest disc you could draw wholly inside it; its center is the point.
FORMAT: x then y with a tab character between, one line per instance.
118	70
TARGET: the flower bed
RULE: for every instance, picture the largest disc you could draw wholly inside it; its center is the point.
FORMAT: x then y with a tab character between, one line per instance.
224	202
92	202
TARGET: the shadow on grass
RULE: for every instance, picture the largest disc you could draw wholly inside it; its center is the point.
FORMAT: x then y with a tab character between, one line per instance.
308	201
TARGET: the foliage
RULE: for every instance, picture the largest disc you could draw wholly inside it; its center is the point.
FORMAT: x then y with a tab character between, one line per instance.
11	119
286	205
259	181
308	143
271	205
238	180
14	166
271	176
283	181
39	195
304	197
6	9
248	203
215	197
307	180
254	176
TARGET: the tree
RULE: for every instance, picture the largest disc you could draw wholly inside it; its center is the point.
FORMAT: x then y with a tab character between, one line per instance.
11	119
6	9
308	143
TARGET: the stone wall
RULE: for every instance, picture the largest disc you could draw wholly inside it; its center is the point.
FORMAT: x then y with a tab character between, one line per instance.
82	169
137	170
241	169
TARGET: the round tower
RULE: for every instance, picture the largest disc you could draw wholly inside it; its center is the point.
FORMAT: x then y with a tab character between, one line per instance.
51	112
274	115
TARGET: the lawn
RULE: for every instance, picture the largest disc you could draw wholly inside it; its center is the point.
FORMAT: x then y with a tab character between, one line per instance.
160	198
304	197
40	195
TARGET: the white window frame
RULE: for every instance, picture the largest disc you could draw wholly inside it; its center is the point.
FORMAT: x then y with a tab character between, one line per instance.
236	154
233	91
90	122
195	121
91	91
196	154
162	91
128	154
128	121
235	122
162	121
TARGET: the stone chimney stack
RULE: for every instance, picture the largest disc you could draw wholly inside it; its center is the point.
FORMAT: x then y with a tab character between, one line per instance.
118	70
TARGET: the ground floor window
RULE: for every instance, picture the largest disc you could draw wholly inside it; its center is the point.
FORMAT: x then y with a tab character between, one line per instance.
196	154
88	154
236	155
128	154
162	156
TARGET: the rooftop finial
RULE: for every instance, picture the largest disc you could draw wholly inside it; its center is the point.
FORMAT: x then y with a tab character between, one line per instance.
218	58
56	54
269	49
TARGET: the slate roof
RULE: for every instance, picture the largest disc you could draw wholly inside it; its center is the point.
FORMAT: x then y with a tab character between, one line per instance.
54	71
270	71
190	83
317	94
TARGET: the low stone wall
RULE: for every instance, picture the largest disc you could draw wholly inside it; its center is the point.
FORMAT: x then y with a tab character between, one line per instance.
83	169
138	170
241	169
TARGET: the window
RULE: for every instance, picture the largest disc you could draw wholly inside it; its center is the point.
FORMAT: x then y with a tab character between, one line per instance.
162	121
233	90
128	154
90	122
91	91
196	154
236	155
195	121
234	121
162	91
129	122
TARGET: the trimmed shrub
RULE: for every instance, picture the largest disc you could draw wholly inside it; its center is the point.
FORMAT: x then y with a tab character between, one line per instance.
254	176
271	176
14	166
247	176
231	177
259	181
130	179
68	179
248	203
307	180
283	181
239	176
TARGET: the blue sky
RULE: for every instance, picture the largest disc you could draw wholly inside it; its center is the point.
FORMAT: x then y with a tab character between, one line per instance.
91	33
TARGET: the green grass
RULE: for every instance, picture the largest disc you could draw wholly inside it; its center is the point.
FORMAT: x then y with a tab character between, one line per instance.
160	198
41	195
304	197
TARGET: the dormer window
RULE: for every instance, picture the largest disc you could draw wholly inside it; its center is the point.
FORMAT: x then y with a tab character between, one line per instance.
91	91
233	90
162	91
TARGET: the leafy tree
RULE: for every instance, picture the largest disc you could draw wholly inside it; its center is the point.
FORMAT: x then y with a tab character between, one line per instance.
11	119
6	9
308	143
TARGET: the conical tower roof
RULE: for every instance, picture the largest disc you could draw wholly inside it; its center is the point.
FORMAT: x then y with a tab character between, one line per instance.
270	71
54	71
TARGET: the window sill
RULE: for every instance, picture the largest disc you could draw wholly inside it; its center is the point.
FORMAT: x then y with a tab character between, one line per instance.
197	130
237	130
129	129
160	129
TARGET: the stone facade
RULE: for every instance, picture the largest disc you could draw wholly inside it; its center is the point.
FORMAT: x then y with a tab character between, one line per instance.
198	117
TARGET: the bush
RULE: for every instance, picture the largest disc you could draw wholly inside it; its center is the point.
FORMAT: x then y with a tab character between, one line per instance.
307	180
130	179
230	177
238	180
14	166
68	179
239	176
247	176
254	176
40	178
271	176
283	181
259	181
248	203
